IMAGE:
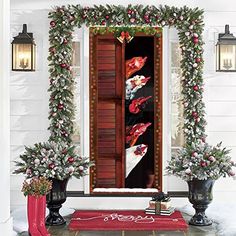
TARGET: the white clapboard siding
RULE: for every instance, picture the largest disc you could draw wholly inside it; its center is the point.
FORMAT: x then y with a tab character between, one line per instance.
220	93
28	123
28	107
16	151
27	78
176	184
220	79
228	138
225	108
28	137
31	92
222	123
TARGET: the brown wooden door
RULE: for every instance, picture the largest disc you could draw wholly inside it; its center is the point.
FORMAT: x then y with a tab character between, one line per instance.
107	111
106	60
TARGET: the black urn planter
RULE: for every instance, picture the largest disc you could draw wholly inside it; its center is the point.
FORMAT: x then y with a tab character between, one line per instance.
55	199
200	195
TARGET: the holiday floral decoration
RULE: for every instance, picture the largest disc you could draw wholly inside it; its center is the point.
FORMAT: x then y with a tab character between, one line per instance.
201	161
63	20
52	160
36	186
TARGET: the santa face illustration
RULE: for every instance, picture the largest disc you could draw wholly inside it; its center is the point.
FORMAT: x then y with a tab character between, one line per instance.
134	84
133	65
133	156
133	132
138	104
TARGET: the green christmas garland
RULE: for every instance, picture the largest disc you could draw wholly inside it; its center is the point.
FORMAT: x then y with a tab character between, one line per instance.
188	22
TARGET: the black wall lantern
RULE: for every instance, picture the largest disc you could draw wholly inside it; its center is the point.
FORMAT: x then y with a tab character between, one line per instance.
23	51
226	51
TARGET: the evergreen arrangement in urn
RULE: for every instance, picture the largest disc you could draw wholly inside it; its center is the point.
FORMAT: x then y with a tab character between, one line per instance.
52	160
201	161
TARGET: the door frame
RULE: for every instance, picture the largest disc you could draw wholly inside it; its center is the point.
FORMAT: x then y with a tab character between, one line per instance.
158	101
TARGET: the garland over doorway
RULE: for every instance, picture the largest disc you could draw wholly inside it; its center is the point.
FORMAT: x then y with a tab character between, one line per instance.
188	22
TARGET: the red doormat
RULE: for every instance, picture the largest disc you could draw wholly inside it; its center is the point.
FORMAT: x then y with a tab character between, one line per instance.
125	220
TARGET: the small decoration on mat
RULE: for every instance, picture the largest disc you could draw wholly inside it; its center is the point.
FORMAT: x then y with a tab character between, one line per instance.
138	104
134	84
133	65
161	196
133	132
160	205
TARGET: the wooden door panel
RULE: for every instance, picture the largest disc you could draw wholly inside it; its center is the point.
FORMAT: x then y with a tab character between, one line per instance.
108	146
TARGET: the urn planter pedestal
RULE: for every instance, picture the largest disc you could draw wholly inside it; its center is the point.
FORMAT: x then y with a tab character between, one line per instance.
55	199
200	195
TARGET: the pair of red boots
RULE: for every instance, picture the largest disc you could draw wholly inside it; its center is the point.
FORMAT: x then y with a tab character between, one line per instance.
36	215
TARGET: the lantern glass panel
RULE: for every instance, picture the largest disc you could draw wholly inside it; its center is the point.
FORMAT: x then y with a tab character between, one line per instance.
226	57
33	56
23	57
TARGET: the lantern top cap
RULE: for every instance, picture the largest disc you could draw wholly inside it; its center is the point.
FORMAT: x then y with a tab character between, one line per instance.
226	38
24	37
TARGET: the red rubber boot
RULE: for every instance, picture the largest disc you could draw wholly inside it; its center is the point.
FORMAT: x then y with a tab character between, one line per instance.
41	216
32	216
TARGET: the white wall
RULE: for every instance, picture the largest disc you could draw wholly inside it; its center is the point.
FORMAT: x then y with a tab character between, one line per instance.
220	96
5	218
28	94
29	97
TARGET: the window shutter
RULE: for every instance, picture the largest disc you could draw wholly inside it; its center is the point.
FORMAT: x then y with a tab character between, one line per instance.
107	59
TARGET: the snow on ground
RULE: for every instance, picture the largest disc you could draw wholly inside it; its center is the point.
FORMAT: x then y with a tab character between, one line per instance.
222	214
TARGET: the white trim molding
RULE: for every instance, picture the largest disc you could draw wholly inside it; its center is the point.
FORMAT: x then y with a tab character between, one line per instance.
5	218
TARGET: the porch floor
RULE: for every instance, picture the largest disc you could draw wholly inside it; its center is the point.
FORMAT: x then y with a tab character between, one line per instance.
192	231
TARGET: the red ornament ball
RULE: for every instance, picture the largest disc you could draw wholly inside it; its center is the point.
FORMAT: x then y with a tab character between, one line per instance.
71	159
194	114
203	164
129	11
103	22
53	23
60	106
195	88
52	50
107	17
65	41
63	65
198	59
195	40
51	166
